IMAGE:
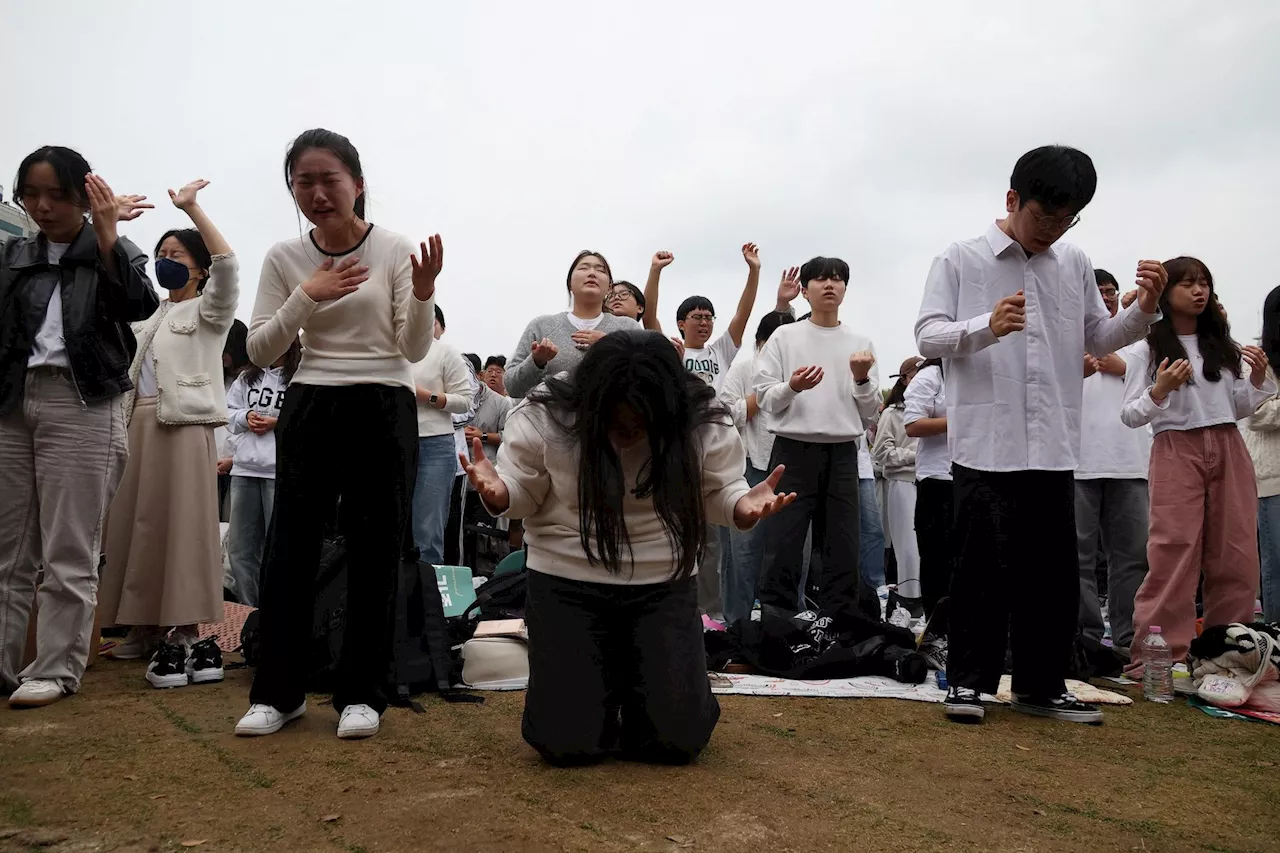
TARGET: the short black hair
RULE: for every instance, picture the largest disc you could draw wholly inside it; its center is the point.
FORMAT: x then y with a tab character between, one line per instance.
440	317
636	293
694	303
821	267
496	360
770	322
68	165
473	359
193	242
1058	177
237	346
1104	277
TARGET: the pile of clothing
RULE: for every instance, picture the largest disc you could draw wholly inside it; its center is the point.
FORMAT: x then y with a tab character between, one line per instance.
1238	666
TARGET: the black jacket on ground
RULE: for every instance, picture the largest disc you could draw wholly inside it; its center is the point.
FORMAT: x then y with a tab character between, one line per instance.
96	312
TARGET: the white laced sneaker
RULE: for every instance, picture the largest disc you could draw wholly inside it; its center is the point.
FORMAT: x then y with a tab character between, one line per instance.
36	692
357	721
266	720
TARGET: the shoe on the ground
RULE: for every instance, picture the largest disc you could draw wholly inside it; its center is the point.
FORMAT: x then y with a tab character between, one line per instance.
266	720
1065	707
35	693
168	667
140	643
357	721
934	649
204	662
964	705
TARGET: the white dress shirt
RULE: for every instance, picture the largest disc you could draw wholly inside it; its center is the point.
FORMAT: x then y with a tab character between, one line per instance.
1197	404
1013	403
1109	450
755	431
926	397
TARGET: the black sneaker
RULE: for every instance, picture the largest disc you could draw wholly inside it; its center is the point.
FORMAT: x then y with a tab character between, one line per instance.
205	664
1065	707
168	667
964	705
934	649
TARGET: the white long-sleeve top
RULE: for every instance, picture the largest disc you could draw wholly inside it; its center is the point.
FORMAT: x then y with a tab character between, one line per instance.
1262	437
1109	450
926	397
255	455
540	469
443	371
1014	403
894	450
735	390
1197	404
835	410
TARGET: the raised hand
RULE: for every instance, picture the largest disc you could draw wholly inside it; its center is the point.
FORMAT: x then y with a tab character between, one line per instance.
1127	299
185	198
1010	315
1151	281
586	337
334	282
544	351
426	270
661	259
762	501
751	253
860	364
1257	361
484	477
788	288
1169	378
805	378
102	204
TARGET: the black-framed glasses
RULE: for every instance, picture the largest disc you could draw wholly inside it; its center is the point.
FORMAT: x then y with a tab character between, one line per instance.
701	318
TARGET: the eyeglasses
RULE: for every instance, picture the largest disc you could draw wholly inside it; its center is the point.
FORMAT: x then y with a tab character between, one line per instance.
701	318
622	296
1049	224
1108	291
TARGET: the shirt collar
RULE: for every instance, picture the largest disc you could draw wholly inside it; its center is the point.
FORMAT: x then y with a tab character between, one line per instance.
1000	242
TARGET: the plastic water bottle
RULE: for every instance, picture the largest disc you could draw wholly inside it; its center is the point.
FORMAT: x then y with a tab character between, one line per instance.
1157	667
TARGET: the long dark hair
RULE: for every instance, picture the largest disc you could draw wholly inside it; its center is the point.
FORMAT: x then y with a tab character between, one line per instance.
292	358
337	145
639	370
1271	329
1212	330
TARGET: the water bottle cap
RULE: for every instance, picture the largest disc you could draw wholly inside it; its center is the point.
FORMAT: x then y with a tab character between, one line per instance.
1155	629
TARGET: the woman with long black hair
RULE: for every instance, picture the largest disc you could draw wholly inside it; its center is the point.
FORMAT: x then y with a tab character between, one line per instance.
364	304
1263	438
67	297
635	454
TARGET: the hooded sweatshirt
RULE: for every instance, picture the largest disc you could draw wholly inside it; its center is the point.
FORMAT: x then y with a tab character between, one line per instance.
255	455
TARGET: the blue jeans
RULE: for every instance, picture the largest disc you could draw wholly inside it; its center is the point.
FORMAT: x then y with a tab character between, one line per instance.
1269	540
437	466
870	535
252	500
740	571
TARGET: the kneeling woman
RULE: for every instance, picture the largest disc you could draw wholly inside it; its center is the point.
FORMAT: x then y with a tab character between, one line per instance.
636	455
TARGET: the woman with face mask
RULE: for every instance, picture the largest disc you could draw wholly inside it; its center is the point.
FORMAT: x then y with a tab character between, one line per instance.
67	295
164	555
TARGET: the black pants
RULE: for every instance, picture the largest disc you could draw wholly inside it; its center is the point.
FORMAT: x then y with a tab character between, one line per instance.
357	444
935	515
453	531
616	668
1017	581
825	480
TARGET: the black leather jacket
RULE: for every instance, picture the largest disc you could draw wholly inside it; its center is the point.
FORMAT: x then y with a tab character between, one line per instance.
96	312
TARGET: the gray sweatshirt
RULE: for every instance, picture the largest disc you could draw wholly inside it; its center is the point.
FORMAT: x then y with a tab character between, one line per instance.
523	375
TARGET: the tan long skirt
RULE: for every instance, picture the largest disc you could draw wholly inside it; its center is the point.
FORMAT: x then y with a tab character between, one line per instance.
164	558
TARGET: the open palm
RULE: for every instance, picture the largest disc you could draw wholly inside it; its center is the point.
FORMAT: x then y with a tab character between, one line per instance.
484	477
762	501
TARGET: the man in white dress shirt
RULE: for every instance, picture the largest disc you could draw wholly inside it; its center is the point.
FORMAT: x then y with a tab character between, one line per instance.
1011	313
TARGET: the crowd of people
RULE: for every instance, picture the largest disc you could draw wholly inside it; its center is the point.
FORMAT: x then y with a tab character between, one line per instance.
660	481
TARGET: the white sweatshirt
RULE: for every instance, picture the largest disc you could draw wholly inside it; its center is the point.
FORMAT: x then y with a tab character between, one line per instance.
443	371
255	455
1197	404
830	413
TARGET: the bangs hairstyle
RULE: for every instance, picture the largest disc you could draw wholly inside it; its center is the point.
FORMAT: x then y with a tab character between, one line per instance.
694	303
194	244
1058	177
587	253
636	293
1213	333
823	268
769	324
292	358
1102	277
639	370
337	145
70	168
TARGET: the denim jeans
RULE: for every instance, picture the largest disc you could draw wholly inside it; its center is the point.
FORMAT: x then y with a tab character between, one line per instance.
437	466
1269	540
871	535
252	500
741	568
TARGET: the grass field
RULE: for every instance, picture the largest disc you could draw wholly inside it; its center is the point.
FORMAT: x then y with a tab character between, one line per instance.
123	767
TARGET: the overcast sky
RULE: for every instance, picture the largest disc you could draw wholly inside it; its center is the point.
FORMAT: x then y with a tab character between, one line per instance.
878	132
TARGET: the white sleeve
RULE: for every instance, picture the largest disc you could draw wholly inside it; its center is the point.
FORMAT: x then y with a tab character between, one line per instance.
938	333
773	388
1139	409
522	463
736	389
724	465
918	401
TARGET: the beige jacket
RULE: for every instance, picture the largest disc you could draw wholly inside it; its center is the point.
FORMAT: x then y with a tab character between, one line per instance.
185	341
894	451
1262	436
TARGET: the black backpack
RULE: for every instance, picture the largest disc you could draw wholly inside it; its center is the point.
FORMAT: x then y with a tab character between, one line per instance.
421	657
501	598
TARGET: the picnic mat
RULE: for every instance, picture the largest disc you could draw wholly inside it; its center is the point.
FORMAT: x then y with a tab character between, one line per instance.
879	687
1234	713
227	632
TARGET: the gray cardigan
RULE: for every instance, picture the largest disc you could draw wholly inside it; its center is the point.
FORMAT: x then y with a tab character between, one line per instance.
523	375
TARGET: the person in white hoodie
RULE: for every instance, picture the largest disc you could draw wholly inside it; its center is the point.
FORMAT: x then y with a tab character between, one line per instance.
895	451
254	404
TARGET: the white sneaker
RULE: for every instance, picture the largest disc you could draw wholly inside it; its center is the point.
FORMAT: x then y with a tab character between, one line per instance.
266	720
36	692
357	721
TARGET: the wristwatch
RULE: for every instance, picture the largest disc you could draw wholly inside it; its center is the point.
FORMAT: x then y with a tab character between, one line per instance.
862	381
435	398
484	438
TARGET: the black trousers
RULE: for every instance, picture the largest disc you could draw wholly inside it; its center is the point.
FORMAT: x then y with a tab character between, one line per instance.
357	444
935	515
825	480
616	669
453	531
1017	580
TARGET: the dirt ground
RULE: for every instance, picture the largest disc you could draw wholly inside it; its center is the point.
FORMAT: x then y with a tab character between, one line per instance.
123	767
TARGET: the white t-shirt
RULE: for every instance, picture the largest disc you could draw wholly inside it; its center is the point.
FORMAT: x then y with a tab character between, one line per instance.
1109	450
926	397
48	348
148	386
866	471
584	325
712	362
